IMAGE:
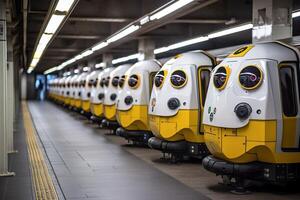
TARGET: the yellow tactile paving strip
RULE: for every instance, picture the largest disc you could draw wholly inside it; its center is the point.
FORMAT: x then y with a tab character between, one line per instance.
43	185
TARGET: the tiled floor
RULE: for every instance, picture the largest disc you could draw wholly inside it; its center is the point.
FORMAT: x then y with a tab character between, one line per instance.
88	163
19	186
90	166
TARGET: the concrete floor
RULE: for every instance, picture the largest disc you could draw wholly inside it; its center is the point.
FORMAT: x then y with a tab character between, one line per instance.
91	164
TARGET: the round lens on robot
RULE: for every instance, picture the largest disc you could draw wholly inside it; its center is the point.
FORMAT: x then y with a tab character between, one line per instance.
159	78
250	77
115	81
220	78
133	81
178	78
121	81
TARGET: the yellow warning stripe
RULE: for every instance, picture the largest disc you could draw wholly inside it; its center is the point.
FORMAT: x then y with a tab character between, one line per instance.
43	184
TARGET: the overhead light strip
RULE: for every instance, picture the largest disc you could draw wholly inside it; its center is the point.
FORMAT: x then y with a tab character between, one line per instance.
157	15
62	7
170	9
164	11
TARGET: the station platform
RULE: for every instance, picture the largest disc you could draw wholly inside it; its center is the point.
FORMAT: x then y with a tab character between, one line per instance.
86	162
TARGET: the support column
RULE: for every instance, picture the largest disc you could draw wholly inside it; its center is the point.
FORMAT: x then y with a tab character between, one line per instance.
146	49
272	20
10	104
107	60
91	64
3	70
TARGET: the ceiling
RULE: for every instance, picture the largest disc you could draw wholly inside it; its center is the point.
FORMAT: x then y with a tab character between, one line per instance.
94	20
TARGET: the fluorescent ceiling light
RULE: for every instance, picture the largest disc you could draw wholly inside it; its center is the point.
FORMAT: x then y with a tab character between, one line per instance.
78	57
181	44
230	31
86	53
144	20
85	69
123	33
53	69
169	9
34	62
188	42
64	5
29	70
99	65
203	38
42	45
54	23
126	58
99	46
296	14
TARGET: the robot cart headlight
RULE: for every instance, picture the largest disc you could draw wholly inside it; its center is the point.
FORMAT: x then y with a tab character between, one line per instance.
90	84
115	81
221	77
250	77
128	100
102	82
159	79
95	82
101	96
113	96
243	111
106	82
173	103
134	81
121	81
178	79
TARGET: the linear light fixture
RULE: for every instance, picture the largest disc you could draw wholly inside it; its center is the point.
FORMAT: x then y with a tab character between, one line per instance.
296	14
166	10
169	9
86	53
99	46
64	5
99	65
126	58
230	31
85	69
204	38
161	13
48	71
54	23
57	17
123	33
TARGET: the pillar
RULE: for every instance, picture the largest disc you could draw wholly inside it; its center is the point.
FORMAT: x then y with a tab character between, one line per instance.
3	91
146	49
107	60
272	20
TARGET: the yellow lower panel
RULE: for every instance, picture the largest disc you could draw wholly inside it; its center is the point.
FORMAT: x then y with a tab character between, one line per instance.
67	100
182	126
110	112
78	103
85	105
254	142
72	102
289	139
42	181
134	119
97	109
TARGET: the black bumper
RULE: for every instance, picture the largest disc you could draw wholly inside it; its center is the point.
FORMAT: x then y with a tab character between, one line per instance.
277	173
137	136
110	124
96	119
179	147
